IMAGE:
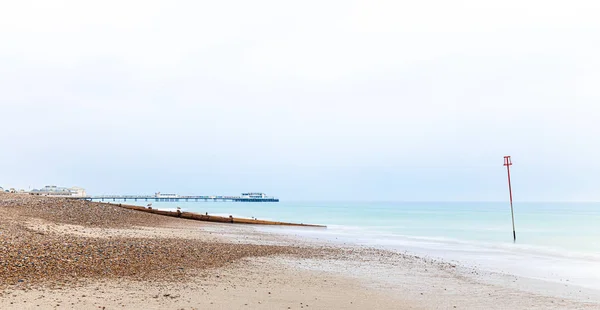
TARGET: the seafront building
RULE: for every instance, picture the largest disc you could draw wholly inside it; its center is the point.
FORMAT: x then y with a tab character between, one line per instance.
162	195
254	195
53	190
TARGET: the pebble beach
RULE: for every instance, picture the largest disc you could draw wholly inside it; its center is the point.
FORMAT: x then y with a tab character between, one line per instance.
32	257
58	253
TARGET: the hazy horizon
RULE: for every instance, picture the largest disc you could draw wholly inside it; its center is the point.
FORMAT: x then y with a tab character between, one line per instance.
328	100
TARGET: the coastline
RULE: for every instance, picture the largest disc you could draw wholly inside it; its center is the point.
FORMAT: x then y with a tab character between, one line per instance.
244	266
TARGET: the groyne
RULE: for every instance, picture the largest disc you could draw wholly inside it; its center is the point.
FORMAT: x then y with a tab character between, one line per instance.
212	218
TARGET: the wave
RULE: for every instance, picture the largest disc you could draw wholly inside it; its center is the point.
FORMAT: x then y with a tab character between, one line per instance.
375	237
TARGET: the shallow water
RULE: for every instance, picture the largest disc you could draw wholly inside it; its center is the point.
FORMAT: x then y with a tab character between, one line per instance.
555	241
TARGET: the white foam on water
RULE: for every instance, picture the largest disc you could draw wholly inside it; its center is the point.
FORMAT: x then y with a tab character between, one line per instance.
532	261
556	241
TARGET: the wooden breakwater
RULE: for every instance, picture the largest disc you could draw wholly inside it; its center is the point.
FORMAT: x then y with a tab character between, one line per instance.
211	218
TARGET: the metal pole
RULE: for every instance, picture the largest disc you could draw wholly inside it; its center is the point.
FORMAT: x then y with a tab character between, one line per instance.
508	163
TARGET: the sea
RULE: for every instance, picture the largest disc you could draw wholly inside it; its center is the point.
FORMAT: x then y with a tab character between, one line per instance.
558	242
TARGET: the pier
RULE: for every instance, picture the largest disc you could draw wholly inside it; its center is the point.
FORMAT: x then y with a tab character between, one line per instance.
158	197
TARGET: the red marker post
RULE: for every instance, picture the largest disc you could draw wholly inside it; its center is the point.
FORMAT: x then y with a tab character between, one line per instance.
508	163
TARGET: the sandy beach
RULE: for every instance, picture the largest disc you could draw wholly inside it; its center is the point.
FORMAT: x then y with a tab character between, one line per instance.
57	253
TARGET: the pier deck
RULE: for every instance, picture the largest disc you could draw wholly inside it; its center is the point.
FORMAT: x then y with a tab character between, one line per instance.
174	199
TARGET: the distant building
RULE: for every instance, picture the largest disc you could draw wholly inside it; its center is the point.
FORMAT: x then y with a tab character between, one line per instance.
254	195
53	190
161	195
78	191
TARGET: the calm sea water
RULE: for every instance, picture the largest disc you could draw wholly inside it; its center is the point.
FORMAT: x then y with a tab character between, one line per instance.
555	241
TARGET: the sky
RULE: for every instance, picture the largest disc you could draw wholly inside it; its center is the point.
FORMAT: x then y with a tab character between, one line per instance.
303	100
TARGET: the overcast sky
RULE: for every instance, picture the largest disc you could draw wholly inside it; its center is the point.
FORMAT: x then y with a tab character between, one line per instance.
336	100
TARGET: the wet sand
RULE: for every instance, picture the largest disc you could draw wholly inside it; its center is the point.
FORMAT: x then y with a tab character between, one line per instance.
57	253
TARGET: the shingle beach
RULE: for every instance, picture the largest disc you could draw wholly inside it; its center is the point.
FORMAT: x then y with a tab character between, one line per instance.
32	257
57	253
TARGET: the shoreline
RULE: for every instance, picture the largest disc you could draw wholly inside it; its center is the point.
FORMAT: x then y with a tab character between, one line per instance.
295	270
493	258
462	270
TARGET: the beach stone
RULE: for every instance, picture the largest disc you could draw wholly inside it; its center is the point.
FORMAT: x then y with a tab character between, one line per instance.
60	259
